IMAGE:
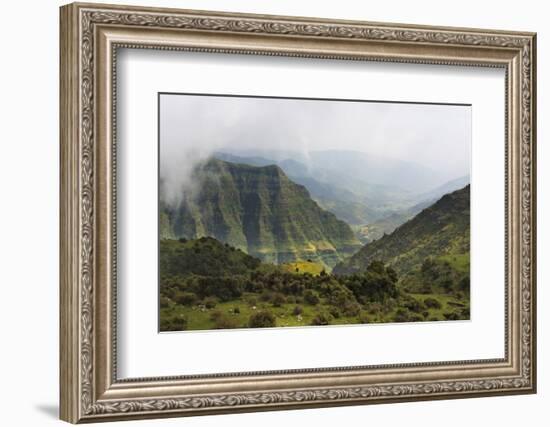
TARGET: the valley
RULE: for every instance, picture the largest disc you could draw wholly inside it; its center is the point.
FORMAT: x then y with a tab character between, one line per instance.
256	242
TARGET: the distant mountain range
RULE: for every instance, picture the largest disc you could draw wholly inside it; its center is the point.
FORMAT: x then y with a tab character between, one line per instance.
338	184
260	210
441	231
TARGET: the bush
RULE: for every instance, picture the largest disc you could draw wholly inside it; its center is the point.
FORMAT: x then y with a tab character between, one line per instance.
210	302
432	303
351	309
321	319
416	318
453	315
401	315
215	315
266	296
364	318
311	297
278	299
464	284
164	302
186	298
297	310
225	322
414	305
335	312
176	323
262	319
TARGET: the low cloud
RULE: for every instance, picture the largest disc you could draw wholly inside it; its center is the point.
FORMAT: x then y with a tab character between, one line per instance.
193	128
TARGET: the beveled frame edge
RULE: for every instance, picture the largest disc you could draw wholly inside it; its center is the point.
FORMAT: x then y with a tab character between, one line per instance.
88	392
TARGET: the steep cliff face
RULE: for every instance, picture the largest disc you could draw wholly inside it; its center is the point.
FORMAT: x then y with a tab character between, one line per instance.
439	231
259	210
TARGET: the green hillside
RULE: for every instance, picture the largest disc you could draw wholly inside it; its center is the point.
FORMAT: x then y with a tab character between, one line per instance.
260	211
206	284
440	234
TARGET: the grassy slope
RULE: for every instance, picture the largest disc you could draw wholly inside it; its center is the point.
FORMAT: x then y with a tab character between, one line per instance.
206	257
443	229
312	268
200	318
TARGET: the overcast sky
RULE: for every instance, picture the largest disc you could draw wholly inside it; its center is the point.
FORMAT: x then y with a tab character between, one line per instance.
194	126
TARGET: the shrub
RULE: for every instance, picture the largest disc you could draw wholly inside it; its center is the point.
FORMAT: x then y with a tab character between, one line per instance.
297	310
416	318
164	302
176	323
321	319
364	318
464	284
186	298
278	299
335	312
432	303
311	297
414	305
453	315
266	296
225	322
261	319
401	315
210	302
215	315
351	309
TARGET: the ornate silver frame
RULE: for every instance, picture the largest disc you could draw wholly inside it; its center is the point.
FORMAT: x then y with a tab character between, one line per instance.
90	36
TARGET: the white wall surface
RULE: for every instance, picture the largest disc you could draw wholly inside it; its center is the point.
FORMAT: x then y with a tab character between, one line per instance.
29	170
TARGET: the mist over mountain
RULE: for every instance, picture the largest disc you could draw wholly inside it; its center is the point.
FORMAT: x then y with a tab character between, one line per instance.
260	210
343	191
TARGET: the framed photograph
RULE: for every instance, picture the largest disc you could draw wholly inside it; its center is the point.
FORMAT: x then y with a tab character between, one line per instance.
265	212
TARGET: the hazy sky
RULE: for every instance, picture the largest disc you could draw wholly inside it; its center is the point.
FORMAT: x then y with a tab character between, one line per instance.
192	127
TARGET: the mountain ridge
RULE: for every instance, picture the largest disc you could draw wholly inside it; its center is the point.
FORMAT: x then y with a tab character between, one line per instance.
440	229
259	210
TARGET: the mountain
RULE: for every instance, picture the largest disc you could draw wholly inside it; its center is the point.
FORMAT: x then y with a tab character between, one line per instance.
259	210
439	231
357	170
340	182
375	230
447	187
343	203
